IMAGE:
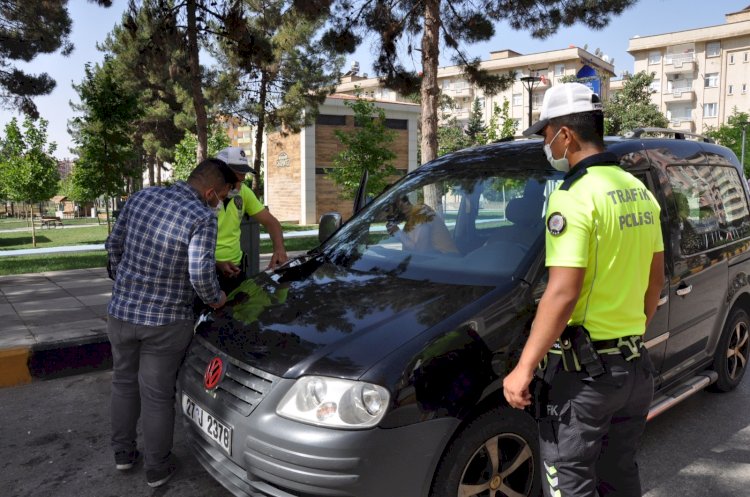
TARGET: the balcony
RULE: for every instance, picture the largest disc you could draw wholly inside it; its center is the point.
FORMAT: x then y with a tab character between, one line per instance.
680	94
680	63
452	92
682	124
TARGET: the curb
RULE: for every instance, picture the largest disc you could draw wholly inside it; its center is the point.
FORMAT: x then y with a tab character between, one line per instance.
22	365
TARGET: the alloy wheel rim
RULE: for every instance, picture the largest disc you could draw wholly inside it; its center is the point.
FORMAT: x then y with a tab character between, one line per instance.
502	467
737	350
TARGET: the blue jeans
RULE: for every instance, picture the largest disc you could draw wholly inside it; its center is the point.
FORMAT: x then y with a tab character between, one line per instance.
145	363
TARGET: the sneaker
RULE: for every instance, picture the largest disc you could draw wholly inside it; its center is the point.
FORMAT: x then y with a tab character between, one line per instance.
158	477
126	459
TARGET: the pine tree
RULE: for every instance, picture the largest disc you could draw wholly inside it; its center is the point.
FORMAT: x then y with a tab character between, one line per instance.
28	29
476	129
452	23
272	53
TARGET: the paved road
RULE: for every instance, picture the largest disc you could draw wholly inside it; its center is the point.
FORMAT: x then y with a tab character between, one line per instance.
55	442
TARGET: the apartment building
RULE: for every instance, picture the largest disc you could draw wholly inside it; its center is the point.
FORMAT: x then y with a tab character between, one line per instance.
701	74
547	67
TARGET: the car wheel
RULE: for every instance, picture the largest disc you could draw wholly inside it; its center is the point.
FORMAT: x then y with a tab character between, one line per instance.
495	455
730	360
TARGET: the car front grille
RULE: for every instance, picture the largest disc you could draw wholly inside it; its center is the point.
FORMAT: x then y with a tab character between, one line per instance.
243	386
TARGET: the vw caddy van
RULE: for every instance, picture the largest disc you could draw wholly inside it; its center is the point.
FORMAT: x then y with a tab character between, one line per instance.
372	366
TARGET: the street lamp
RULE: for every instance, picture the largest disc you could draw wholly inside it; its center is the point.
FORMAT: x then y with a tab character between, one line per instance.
529	82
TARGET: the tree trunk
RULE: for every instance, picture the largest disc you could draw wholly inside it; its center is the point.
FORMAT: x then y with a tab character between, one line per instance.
262	97
33	229
430	93
150	173
106	209
157	165
199	103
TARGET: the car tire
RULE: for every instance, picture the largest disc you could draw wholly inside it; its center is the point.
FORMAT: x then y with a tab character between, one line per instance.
469	467
730	359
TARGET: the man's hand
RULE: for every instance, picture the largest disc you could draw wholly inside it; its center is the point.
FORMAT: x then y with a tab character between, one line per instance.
516	387
227	268
392	228
278	258
221	302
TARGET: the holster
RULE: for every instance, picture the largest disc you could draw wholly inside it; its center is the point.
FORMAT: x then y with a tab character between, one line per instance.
579	353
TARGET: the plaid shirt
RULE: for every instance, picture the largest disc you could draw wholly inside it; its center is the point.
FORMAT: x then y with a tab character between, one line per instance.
162	252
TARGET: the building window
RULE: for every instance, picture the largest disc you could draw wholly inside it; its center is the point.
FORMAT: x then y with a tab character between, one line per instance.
711	80
730	90
744	57
559	69
713	49
710	110
655	86
744	88
517	99
731	59
481	102
654	57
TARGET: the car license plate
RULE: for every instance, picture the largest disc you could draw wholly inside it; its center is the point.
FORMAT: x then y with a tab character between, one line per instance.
208	424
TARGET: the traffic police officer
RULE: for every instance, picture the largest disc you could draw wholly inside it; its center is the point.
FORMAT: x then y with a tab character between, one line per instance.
241	200
605	257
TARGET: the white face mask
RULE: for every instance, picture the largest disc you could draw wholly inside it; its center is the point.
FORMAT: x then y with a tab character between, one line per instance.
562	164
216	208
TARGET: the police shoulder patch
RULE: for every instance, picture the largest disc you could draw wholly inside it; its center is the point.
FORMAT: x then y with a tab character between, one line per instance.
556	223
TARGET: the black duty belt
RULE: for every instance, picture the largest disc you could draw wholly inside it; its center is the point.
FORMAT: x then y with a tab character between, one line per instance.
628	346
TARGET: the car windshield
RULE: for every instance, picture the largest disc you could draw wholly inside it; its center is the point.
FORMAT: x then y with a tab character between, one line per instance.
464	226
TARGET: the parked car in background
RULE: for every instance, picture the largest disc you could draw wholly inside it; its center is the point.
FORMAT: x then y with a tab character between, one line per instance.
373	367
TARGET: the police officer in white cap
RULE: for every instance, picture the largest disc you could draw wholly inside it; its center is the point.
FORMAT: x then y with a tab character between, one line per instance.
241	200
605	276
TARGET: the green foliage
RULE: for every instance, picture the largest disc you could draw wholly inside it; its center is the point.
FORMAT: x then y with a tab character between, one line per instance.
102	133
475	129
185	155
451	137
508	128
28	29
730	135
272	52
366	148
28	171
632	108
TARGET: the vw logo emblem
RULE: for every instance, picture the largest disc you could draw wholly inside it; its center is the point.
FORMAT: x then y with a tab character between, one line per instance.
213	373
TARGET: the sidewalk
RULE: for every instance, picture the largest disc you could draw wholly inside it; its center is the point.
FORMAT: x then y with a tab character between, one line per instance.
54	323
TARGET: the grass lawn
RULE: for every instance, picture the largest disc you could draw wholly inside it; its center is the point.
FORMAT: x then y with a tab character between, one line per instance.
54	237
93	235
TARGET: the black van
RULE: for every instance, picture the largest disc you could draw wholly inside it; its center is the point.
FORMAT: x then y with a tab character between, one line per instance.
372	366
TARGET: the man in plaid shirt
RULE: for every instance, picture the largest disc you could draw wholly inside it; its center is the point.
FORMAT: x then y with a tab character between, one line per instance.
161	253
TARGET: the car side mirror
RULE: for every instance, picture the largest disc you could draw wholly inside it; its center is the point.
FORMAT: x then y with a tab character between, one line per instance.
329	223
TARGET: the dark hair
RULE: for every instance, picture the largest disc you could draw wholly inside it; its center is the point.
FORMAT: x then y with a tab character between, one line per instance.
589	126
212	173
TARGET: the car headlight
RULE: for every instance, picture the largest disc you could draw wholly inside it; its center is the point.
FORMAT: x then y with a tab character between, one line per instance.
334	403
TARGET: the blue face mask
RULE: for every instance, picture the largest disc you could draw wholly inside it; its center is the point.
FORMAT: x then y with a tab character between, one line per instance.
560	164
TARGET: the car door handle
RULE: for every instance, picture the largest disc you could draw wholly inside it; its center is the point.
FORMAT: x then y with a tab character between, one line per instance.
662	301
684	291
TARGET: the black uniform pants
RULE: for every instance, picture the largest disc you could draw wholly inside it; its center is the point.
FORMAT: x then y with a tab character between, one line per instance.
592	430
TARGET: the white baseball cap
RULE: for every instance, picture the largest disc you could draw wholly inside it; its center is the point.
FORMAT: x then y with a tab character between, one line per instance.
235	158
562	100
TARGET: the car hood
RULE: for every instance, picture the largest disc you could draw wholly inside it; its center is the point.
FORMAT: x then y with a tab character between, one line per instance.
328	320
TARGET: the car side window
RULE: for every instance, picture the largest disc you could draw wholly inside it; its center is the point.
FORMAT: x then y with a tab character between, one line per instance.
710	205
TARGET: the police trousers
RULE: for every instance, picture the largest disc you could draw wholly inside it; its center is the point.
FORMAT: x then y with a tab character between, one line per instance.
592	428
